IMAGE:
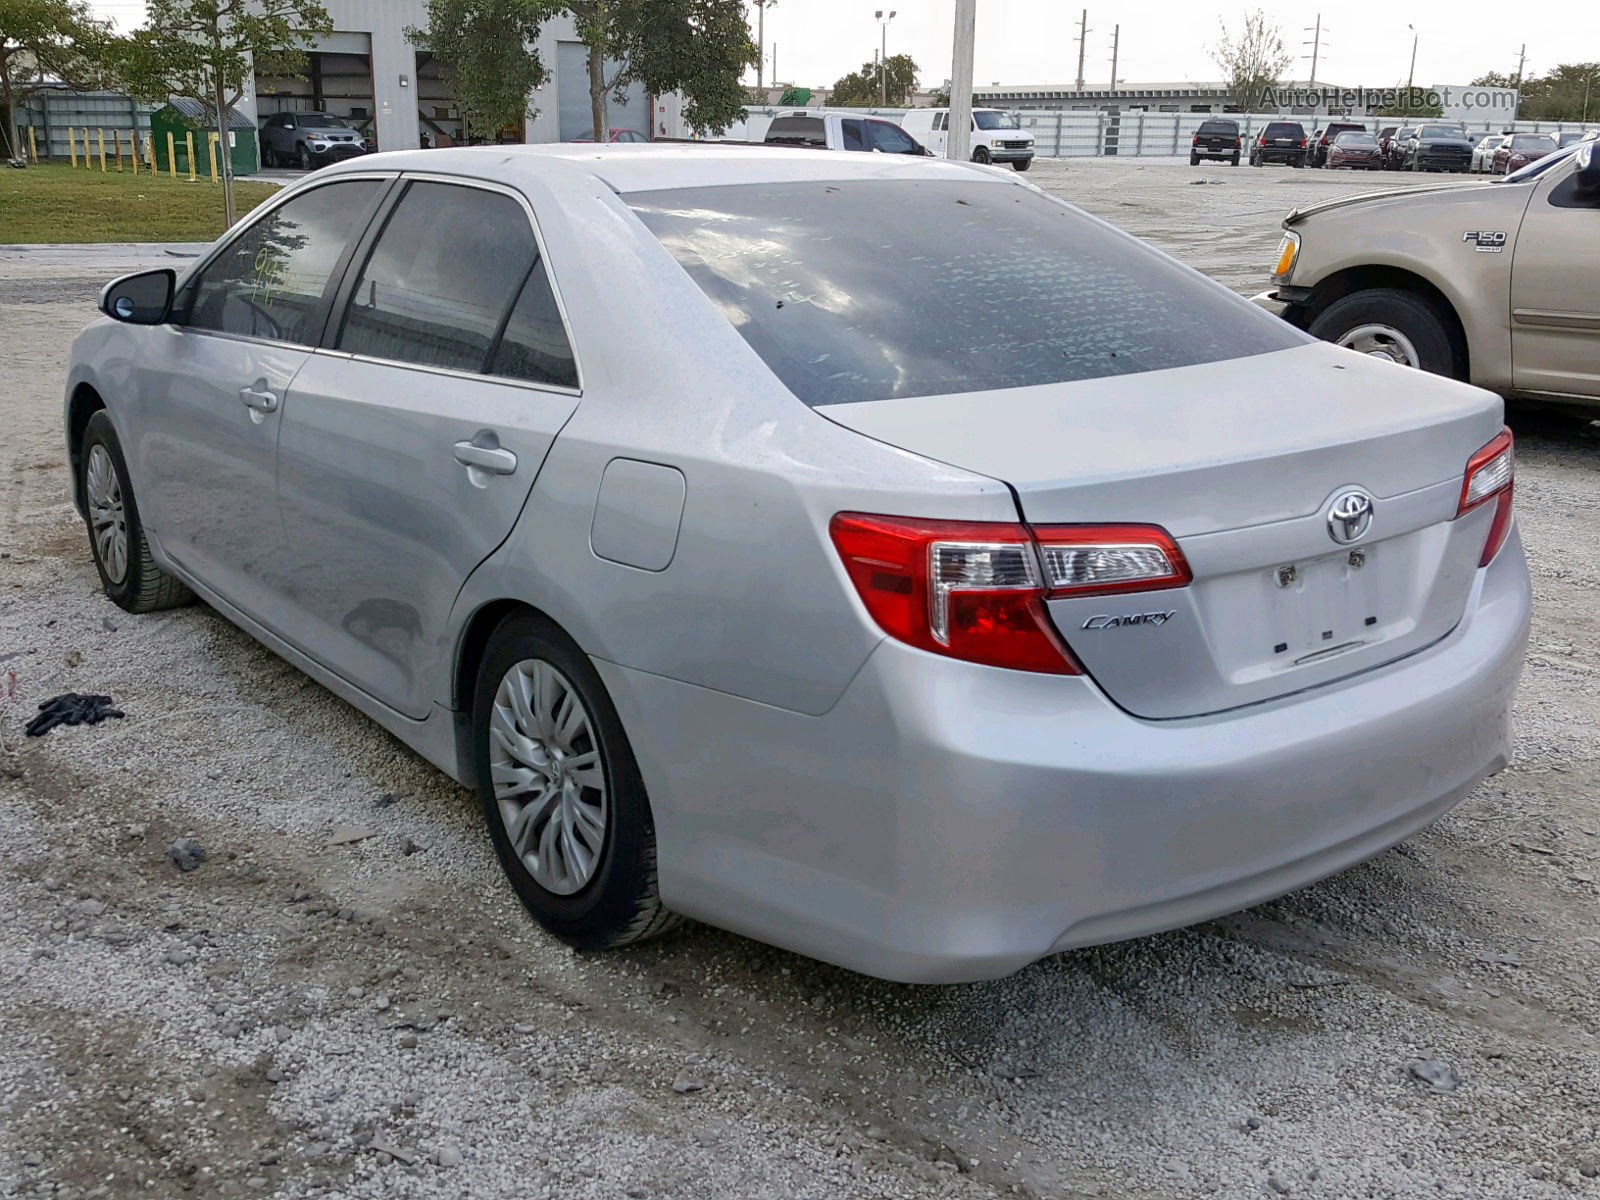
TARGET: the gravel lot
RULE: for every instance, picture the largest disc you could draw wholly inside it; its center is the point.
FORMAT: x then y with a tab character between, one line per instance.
343	999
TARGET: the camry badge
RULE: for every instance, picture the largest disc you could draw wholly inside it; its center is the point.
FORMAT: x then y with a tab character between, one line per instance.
1350	516
1106	621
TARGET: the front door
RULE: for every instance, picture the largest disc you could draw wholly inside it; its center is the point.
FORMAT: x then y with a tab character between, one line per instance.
408	451
210	399
1555	305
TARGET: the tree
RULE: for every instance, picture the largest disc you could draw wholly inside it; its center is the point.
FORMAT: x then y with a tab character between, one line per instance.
1252	63
206	50
488	45
45	41
1558	96
862	89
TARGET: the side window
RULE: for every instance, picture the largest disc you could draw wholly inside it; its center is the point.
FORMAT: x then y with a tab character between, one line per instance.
440	278
938	122
851	128
269	282
534	345
890	138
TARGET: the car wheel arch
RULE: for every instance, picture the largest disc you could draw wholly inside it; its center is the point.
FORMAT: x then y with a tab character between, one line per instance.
1350	280
85	402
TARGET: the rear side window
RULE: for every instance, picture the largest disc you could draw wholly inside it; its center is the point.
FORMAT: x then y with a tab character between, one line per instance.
880	289
850	129
534	345
269	282
440	278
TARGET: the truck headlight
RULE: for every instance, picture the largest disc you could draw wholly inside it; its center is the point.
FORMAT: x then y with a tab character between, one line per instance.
1288	251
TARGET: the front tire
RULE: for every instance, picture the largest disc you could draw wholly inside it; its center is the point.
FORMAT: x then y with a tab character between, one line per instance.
306	163
128	571
981	155
1401	326
561	791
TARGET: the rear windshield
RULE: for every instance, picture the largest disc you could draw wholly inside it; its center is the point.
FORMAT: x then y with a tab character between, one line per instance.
1532	141
1229	127
879	289
806	130
1280	129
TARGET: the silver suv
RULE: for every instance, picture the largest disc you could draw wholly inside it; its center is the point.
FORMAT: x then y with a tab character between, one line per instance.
307	140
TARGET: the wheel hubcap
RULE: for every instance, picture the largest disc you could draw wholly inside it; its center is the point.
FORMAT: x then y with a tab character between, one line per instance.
1382	341
108	523
549	781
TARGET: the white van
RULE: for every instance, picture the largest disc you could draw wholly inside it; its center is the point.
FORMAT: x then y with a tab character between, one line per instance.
996	136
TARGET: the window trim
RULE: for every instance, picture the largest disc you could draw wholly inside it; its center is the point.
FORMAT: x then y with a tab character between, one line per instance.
335	276
362	250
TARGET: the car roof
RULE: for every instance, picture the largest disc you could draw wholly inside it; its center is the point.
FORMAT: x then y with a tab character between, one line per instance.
658	166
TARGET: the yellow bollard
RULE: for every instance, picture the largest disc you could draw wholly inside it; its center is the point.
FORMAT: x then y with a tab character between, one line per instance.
33	147
211	153
172	156
72	146
133	149
102	134
188	140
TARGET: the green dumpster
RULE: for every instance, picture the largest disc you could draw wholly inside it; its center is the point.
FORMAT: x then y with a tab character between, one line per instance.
181	116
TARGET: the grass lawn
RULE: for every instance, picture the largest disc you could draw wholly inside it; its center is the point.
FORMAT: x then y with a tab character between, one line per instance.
53	203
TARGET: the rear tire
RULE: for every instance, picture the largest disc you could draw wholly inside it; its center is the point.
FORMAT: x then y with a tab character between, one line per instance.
128	571
1194	160
1022	164
1404	321
1236	160
616	901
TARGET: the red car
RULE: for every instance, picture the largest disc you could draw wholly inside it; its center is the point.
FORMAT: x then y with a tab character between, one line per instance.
617	135
1520	149
1358	151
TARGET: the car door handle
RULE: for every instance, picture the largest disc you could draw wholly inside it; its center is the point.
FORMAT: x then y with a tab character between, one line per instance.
259	399
495	459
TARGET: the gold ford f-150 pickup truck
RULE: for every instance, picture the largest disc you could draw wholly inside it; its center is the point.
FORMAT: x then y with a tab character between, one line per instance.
1497	284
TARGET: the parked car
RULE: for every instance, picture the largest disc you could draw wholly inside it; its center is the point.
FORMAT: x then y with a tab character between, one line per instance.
996	135
805	613
1394	153
1520	149
307	140
830	131
1324	139
1571	137
624	136
1483	152
1438	147
1216	138
1492	284
1357	151
1280	141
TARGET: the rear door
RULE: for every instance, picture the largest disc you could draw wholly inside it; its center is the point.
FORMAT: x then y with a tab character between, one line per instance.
1555	305
409	444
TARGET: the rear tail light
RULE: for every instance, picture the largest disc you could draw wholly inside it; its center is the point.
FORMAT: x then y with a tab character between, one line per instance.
976	590
1302	143
1195	140
1490	478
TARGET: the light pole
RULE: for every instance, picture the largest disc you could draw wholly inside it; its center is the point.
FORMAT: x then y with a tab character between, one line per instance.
883	57
959	144
1411	75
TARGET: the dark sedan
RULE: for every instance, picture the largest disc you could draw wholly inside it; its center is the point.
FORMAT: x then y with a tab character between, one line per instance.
1521	149
1357	151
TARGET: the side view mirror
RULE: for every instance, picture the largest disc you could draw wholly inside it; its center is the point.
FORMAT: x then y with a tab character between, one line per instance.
144	298
1586	174
288	124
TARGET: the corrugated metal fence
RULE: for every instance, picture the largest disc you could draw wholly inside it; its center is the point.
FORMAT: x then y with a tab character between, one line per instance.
52	113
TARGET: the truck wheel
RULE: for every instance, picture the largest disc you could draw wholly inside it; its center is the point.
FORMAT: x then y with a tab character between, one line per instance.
1194	160
1022	164
1236	160
1402	327
981	154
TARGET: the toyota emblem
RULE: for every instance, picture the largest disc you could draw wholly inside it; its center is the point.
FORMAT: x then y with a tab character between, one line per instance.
1350	516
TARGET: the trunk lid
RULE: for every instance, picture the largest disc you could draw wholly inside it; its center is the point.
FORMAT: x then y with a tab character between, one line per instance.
1241	461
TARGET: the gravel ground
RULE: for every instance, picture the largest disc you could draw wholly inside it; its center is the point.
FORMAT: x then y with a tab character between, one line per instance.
343	1000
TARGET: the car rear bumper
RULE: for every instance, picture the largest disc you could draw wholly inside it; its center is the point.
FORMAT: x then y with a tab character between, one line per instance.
948	822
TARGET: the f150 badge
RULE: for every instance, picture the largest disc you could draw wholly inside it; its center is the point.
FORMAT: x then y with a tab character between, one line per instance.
1486	241
1145	618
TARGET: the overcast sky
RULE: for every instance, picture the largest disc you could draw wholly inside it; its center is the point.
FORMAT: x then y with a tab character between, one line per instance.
1034	41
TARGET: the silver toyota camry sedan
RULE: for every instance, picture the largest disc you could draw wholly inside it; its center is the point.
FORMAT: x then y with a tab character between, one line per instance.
871	555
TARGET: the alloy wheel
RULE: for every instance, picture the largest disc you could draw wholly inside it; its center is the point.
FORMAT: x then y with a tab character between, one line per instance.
549	778
1382	341
107	519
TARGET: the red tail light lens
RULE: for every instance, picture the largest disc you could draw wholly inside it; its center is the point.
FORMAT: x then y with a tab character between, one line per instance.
1491	478
976	590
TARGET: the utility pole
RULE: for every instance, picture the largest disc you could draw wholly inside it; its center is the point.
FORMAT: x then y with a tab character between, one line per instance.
761	41
1316	48
1522	61
774	64
959	146
1411	75
1116	39
883	58
1083	37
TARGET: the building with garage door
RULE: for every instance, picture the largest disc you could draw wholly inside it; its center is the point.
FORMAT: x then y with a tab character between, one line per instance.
367	72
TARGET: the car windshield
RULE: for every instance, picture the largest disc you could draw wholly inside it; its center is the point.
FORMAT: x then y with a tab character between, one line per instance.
882	289
319	121
1441	131
988	119
1539	166
1355	139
